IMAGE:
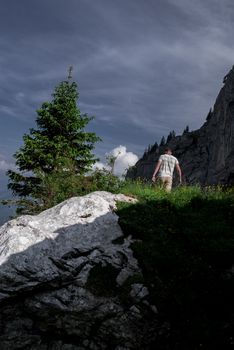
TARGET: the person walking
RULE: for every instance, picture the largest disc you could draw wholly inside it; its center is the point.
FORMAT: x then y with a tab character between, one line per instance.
165	168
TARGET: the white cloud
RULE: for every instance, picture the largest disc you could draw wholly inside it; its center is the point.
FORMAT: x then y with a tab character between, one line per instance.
123	160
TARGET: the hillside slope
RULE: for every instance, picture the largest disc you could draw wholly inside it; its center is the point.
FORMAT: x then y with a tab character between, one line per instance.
206	155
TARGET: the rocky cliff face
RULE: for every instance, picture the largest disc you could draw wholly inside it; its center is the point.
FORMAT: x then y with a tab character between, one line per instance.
69	280
206	155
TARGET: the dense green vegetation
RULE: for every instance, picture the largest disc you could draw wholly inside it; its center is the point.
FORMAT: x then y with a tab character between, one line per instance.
185	247
61	185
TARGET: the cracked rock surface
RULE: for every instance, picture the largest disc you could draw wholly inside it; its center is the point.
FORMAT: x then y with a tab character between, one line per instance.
68	282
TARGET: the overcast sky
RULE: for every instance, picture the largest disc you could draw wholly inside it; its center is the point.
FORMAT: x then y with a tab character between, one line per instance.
143	67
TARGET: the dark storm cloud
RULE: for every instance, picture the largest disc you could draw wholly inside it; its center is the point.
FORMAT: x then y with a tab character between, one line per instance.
143	67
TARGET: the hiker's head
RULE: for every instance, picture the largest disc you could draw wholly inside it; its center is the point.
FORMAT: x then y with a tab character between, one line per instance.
168	151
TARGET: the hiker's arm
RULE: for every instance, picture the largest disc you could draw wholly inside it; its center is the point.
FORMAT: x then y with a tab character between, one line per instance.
156	170
179	171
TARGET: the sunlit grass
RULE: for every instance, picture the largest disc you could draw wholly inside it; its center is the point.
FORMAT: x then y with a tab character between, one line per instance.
180	195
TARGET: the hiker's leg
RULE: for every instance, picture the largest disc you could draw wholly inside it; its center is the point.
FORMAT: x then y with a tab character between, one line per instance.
168	183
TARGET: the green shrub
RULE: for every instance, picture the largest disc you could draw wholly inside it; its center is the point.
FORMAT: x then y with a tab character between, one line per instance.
65	183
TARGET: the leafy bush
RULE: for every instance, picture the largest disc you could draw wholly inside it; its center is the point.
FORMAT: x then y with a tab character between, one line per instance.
104	180
64	183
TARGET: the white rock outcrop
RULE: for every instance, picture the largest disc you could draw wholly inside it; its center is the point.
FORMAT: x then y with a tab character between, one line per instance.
69	280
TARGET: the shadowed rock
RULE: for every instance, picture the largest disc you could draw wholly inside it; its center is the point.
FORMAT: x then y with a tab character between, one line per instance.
67	282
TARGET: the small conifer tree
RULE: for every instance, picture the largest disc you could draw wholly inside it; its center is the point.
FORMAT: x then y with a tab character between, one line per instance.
59	143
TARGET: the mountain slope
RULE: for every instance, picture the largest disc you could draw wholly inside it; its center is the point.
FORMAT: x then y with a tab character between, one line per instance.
206	155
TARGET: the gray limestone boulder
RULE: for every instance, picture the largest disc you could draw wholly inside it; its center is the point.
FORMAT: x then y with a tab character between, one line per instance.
69	280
